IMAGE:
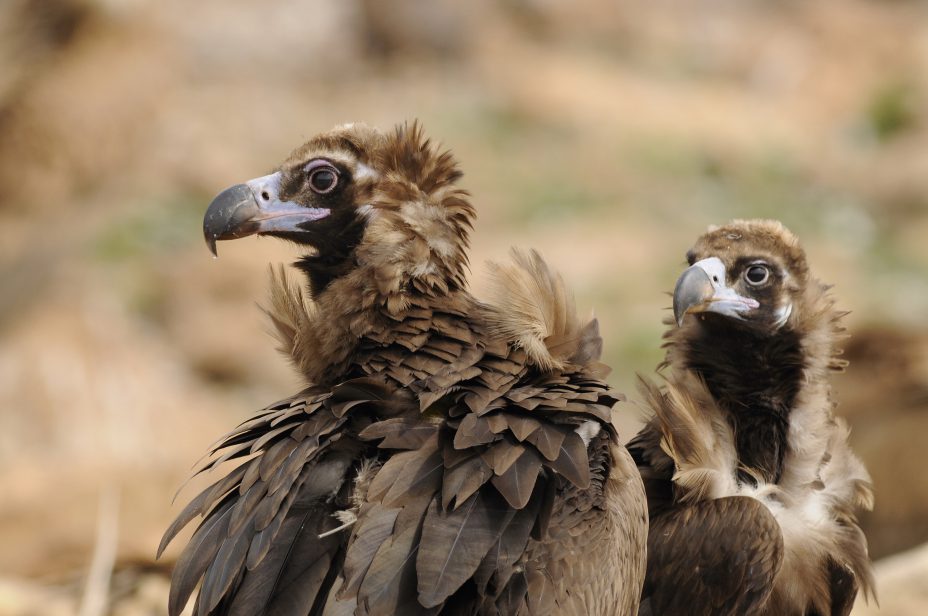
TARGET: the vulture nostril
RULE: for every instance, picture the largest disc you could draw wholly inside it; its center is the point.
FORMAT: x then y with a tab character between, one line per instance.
715	279
265	196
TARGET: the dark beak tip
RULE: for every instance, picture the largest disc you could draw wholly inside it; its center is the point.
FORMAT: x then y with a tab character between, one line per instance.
228	215
693	287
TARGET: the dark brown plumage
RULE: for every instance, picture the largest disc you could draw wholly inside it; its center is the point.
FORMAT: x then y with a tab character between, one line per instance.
449	456
752	488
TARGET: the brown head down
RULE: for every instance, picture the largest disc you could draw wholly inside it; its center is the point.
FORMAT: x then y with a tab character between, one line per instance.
751	271
383	204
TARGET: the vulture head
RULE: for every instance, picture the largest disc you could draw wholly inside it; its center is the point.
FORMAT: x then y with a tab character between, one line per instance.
379	206
751	273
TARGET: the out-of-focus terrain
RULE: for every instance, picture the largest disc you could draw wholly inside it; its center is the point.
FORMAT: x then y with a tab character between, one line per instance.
608	134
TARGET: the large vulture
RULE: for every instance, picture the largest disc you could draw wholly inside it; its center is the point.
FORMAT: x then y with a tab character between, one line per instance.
448	456
752	487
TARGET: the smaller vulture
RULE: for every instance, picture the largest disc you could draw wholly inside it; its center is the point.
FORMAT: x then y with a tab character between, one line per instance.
752	488
448	456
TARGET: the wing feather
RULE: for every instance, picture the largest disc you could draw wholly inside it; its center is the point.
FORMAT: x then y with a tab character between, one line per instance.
455	542
197	556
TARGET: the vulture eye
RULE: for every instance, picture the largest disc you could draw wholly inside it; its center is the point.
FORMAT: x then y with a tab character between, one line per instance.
757	274
323	179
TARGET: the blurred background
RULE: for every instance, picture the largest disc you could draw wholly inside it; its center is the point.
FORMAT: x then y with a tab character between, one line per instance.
608	134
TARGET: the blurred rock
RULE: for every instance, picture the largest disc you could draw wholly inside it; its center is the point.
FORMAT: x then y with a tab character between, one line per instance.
888	371
902	586
440	29
34	32
67	125
135	591
884	395
20	597
141	592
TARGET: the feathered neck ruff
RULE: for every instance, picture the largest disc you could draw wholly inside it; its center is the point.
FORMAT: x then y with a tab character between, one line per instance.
785	373
412	250
416	226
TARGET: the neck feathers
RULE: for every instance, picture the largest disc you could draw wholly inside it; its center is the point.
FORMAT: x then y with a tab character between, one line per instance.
417	224
529	308
769	393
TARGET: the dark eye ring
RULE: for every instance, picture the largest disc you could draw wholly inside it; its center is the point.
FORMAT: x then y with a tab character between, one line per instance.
323	180
757	274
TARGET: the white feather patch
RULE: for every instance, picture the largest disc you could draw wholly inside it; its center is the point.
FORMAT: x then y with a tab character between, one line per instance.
367	211
588	430
364	172
783	313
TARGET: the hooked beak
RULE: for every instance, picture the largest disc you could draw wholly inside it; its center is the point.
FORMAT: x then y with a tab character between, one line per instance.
702	288
255	207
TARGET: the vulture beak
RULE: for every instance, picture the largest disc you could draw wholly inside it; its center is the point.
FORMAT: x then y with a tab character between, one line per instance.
702	288
255	207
